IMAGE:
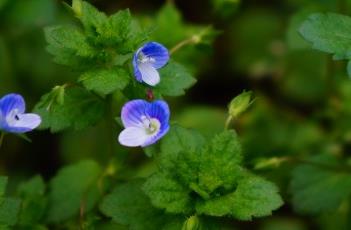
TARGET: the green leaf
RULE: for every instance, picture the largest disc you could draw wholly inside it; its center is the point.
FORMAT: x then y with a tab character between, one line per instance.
74	186
320	186
80	109
175	79
128	205
329	32
105	81
69	46
9	209
168	194
253	197
34	202
219	162
208	178
95	23
176	141
3	184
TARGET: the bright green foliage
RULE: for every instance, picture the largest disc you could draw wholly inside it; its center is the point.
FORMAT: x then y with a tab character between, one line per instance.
320	186
74	186
165	190
9	207
211	171
34	202
128	205
69	46
174	80
79	110
329	32
253	197
105	81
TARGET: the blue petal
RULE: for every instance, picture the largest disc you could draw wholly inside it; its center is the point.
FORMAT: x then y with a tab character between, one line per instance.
10	102
137	73
25	123
156	51
149	74
132	112
159	110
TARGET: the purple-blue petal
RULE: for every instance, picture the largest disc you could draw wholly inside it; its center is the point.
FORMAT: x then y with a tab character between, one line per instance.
10	102
137	73
132	112
156	51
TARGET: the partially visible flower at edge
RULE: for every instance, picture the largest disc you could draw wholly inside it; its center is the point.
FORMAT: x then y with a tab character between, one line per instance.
144	122
147	60
12	116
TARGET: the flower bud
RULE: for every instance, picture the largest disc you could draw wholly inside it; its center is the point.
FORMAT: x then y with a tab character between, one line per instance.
240	103
192	223
77	7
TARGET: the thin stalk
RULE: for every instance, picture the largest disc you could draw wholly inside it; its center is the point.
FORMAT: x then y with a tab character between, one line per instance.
2	135
227	122
192	40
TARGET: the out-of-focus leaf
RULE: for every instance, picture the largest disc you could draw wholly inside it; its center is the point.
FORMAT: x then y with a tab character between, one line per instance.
34	202
128	205
320	186
329	32
74	186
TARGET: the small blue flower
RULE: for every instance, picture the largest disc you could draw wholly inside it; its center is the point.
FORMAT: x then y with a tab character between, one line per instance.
12	116
144	122
147	60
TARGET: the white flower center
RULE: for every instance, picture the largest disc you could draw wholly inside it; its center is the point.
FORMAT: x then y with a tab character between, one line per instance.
151	125
142	58
12	117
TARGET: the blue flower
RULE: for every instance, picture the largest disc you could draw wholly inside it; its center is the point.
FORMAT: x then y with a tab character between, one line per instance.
147	60
12	116
144	122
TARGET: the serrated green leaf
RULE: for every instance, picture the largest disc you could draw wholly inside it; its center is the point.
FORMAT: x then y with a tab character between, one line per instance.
95	23
219	162
320	187
79	110
73	186
128	205
168	194
9	209
105	81
69	46
329	32
34	202
175	79
253	197
176	141
208	178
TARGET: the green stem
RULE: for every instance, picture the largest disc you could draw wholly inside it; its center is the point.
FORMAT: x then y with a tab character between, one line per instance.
192	40
2	135
227	122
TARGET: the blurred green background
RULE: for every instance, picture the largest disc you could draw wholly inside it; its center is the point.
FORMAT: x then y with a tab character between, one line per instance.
303	98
